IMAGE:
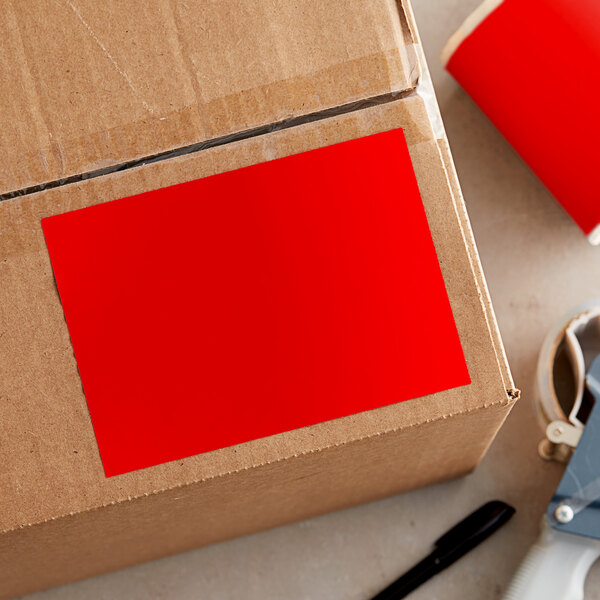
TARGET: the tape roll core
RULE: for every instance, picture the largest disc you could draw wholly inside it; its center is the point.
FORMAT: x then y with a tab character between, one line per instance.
567	352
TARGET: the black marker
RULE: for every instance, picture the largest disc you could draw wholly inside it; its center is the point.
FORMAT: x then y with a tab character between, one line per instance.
463	537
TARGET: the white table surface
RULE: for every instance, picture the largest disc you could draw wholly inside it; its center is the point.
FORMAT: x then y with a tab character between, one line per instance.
538	265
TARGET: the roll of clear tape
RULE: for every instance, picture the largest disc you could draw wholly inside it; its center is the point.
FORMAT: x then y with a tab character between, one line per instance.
567	352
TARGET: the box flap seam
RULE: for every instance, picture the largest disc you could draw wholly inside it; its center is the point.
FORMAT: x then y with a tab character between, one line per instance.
219	141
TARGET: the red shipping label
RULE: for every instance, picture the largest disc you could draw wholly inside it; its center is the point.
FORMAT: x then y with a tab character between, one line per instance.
254	302
532	66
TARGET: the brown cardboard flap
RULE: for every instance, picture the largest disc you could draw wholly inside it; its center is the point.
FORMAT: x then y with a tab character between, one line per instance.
49	459
87	85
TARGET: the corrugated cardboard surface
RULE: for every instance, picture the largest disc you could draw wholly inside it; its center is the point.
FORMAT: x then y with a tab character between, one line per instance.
50	458
86	84
61	517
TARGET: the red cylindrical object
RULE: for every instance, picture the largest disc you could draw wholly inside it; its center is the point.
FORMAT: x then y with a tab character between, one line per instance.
533	67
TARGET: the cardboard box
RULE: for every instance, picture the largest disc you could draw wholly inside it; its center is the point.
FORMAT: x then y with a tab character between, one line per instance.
101	103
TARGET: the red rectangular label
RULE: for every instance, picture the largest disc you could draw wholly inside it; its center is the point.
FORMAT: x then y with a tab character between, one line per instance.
254	302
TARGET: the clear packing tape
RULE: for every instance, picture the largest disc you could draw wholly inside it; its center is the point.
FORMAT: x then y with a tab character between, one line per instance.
566	355
86	97
421	85
425	90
